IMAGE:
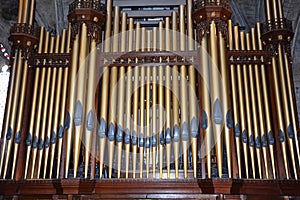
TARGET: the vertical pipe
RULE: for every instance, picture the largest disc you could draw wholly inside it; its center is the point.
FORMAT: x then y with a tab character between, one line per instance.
262	121
142	106
112	95
266	105
154	108
79	111
34	102
161	101
236	121
135	103
121	92
128	99
193	111
148	106
183	96
105	87
50	120
38	140
241	103
168	100
175	96
65	86
249	124
254	110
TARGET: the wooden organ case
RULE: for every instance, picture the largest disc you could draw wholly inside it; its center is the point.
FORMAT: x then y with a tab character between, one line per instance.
190	107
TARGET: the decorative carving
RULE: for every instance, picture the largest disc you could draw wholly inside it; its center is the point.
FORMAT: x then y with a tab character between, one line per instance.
207	11
92	13
24	37
50	60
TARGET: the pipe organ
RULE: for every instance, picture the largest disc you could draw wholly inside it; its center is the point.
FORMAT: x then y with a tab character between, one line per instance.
191	106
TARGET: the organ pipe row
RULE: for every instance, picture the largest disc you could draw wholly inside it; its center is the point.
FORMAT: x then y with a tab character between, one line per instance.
128	118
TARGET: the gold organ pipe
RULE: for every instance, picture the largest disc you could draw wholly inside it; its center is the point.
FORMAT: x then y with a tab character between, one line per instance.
90	114
9	135
65	48
254	109
266	104
121	97
290	95
37	141
268	9
161	101
225	98
128	99
241	104
113	98
71	103
79	121
32	12
215	97
20	11
192	89
8	107
44	114
33	107
148	106
154	110
290	135
60	102
235	102
175	96
50	120
168	100
142	106
105	87
183	96
248	109
135	103
25	11
206	112
256	73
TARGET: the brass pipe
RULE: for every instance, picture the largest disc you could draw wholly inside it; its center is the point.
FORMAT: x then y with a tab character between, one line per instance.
38	139
45	143
113	98
154	108
135	133
32	12
90	114
248	107
121	97
70	105
291	102
148	106
79	121
260	111
225	98
183	96
52	137
20	11
215	97
142	106
175	96
193	111
128	99
8	107
64	48
9	135
275	11
266	104
168	138
105	87
161	101
206	111
268	10
25	11
33	106
235	101
290	135
254	110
